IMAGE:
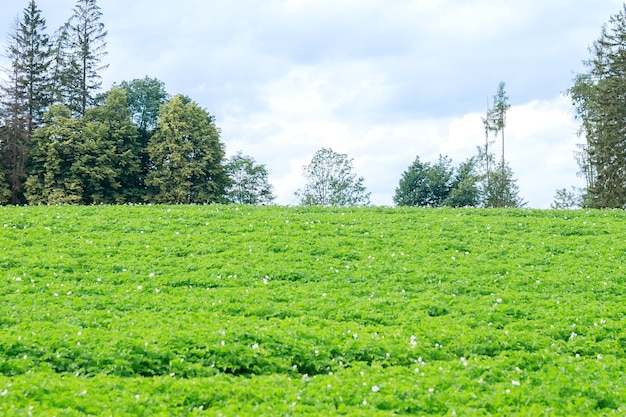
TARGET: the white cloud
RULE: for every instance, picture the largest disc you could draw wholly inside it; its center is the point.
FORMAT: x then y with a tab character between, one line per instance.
381	81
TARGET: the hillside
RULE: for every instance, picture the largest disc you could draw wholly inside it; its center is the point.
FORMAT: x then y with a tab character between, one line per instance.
233	310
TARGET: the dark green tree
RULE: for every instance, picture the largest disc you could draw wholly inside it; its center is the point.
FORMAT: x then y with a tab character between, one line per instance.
86	160
502	190
248	181
424	184
330	181
599	97
145	97
80	49
55	148
110	164
439	184
565	199
186	155
25	95
465	186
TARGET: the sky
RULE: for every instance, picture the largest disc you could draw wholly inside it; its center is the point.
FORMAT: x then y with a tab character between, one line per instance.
381	81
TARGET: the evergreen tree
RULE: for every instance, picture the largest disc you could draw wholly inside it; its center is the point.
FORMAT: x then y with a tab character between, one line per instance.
599	96
25	95
80	49
566	200
330	181
186	155
465	186
440	184
502	190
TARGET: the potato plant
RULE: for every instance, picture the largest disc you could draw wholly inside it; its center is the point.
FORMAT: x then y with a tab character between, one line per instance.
236	310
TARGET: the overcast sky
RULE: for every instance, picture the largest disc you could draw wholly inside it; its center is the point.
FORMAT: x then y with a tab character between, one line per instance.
381	81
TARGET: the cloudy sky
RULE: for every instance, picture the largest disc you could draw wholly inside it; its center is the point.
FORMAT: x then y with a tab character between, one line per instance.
381	81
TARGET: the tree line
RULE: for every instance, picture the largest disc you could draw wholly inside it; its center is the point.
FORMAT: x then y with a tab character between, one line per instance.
63	141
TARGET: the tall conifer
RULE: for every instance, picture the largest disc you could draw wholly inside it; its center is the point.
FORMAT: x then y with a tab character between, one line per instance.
25	94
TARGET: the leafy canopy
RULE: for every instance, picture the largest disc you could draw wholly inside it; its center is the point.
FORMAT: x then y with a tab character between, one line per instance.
248	181
330	181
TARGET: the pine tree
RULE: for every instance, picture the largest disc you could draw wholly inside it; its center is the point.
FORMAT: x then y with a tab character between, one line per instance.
80	49
26	95
599	96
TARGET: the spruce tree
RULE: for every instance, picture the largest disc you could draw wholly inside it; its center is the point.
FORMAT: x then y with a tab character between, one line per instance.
25	94
80	49
599	96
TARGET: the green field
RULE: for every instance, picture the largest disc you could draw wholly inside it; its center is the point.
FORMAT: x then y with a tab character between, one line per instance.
273	311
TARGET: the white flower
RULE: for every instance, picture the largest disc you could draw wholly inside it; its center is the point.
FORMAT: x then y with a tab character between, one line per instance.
139	287
356	336
375	388
515	383
255	346
573	335
499	300
151	275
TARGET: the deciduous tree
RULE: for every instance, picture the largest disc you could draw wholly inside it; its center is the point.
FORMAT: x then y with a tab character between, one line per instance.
86	160
248	181
186	155
330	181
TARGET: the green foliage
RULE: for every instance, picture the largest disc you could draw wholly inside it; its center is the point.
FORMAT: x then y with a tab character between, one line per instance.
330	181
423	184
55	148
87	160
500	188
80	48
248	181
145	97
25	96
598	96
566	200
201	310
186	155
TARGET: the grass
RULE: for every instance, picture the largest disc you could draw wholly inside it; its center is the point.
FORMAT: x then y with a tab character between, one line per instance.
232	310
